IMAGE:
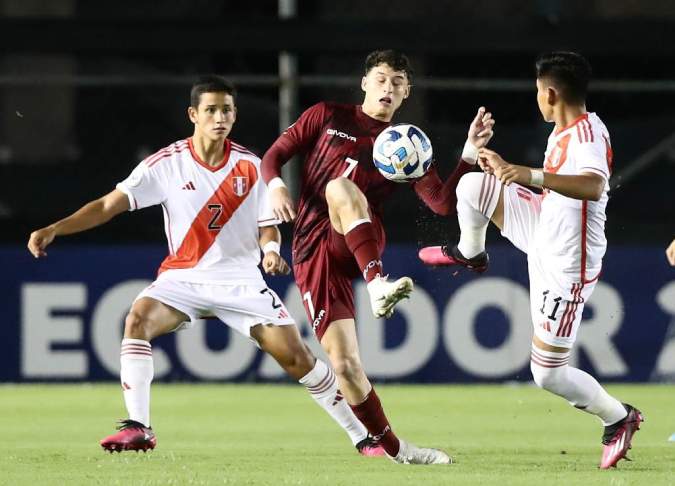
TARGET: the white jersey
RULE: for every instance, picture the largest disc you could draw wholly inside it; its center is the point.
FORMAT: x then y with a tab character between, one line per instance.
211	214
570	237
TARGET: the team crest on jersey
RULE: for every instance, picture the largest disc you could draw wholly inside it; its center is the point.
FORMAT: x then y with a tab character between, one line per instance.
558	155
240	185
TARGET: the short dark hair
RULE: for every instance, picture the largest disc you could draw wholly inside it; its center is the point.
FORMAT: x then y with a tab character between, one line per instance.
211	84
570	72
395	59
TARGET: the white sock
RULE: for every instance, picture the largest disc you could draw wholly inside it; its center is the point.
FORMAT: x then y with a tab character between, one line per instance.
136	373
322	385
551	372
603	405
477	197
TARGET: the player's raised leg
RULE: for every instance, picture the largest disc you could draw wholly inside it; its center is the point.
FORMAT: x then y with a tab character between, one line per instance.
285	345
147	319
479	201
349	216
340	343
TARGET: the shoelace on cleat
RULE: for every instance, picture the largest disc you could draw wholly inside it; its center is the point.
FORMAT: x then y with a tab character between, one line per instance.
129	424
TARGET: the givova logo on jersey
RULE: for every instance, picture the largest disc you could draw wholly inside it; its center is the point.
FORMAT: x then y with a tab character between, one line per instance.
240	185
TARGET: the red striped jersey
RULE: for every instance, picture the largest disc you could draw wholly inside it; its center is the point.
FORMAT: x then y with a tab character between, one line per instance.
211	214
571	233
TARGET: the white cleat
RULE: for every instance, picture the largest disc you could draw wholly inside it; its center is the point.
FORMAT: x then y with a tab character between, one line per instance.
384	295
411	454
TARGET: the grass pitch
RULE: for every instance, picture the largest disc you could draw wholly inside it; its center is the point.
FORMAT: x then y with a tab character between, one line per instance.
267	434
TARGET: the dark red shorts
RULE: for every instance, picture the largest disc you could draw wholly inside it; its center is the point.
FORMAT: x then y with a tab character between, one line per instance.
325	279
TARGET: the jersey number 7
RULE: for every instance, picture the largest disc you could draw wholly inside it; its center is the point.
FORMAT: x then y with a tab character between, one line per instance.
351	165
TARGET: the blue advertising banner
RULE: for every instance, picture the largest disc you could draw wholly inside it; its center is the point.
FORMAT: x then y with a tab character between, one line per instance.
64	317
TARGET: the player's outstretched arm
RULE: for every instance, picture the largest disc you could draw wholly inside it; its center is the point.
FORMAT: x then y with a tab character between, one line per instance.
440	196
270	242
88	216
296	139
587	186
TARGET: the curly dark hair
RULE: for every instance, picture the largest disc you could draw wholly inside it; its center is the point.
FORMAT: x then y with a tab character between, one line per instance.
395	59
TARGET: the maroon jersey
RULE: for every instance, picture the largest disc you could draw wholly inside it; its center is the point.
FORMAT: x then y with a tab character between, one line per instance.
337	141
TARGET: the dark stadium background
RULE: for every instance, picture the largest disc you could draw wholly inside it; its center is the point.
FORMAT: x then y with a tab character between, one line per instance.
88	88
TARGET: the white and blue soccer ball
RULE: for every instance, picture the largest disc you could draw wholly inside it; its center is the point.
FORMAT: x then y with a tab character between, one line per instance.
402	153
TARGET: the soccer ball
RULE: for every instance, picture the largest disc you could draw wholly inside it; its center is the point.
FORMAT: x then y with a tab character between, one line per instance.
402	153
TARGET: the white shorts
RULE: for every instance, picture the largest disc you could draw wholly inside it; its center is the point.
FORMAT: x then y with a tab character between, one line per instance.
239	306
556	301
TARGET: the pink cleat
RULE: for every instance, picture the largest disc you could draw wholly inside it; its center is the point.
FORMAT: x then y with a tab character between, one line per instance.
617	438
132	436
446	256
370	448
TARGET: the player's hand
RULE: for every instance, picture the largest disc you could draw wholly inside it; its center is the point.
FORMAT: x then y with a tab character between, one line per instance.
39	240
505	172
489	160
485	167
670	253
274	264
282	204
480	130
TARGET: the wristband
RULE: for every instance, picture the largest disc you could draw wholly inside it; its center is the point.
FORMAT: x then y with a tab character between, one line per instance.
536	178
275	183
470	153
271	246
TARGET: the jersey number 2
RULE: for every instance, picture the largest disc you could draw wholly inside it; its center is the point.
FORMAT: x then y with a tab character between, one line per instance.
275	304
216	209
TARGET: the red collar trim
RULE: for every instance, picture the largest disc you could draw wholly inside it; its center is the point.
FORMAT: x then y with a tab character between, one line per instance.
574	122
214	168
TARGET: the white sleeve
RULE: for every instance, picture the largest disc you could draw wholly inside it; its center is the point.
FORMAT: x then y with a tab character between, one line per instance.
265	214
143	187
592	157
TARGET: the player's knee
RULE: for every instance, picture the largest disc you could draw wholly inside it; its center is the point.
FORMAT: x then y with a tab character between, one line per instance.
137	326
341	192
550	379
469	188
348	368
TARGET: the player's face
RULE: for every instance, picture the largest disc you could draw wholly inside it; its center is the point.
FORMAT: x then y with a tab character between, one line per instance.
214	116
385	90
544	100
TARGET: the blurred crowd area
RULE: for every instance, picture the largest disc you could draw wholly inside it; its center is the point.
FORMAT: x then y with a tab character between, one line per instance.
88	89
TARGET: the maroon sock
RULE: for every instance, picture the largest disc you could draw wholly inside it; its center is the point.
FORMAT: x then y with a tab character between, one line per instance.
371	415
362	242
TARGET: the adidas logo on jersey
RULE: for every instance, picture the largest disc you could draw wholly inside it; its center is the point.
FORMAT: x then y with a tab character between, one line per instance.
337	133
189	187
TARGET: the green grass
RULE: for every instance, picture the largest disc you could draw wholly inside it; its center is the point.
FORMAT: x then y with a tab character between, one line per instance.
265	434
